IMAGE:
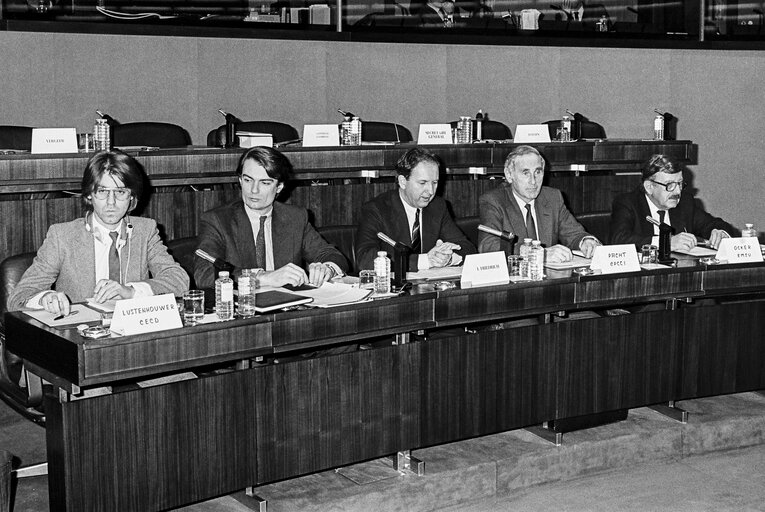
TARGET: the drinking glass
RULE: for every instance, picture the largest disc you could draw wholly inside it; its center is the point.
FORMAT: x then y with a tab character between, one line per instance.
193	306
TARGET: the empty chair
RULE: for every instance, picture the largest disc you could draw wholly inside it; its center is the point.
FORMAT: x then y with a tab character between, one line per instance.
282	132
584	129
381	131
16	137
490	130
163	135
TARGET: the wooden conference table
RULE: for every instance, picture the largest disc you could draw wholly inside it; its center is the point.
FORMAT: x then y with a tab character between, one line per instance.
241	423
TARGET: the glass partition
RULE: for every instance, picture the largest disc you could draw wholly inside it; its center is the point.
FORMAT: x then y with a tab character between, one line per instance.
694	20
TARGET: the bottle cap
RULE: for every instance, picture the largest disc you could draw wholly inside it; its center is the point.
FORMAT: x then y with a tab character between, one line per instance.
527	240
536	243
382	253
223	273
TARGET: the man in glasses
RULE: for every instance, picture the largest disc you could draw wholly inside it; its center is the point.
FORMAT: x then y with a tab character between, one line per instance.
105	255
660	197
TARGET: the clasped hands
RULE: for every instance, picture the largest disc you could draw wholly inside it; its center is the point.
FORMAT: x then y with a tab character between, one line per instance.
318	273
560	253
58	303
441	254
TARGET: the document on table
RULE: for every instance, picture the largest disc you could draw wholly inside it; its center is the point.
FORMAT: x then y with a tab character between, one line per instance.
78	314
435	274
698	251
335	294
576	262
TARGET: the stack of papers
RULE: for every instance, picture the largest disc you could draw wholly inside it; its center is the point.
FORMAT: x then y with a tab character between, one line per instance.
335	294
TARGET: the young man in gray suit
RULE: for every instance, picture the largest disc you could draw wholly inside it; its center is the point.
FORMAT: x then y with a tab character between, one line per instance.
108	254
529	210
260	233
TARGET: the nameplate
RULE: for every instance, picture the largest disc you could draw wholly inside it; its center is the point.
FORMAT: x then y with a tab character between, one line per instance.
435	134
739	250
54	140
145	314
613	259
315	135
487	269
252	139
531	133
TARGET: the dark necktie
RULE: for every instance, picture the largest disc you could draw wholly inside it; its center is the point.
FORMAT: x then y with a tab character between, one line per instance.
531	227
260	244
661	216
416	244
576	15
114	259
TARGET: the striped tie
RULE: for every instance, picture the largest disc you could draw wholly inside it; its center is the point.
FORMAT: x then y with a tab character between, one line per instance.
260	244
114	259
416	244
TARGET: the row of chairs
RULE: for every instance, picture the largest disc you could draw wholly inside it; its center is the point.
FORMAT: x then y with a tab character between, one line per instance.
168	135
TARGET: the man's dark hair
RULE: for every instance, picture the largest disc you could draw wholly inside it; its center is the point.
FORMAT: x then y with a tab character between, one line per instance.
412	159
277	165
659	163
117	164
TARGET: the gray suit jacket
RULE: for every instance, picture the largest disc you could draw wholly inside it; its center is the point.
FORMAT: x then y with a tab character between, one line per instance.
67	258
555	224
226	233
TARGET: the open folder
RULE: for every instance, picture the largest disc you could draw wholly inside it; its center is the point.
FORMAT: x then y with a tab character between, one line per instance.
271	300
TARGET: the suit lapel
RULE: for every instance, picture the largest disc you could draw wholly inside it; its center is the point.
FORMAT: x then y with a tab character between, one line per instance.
243	239
283	239
515	216
401	231
544	220
85	253
644	211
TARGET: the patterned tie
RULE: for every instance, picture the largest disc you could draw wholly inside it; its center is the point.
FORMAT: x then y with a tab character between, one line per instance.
531	227
260	244
416	244
114	259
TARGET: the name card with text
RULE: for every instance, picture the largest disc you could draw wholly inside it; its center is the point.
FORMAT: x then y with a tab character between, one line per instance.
435	134
612	259
487	269
531	133
321	135
54	140
739	250
145	314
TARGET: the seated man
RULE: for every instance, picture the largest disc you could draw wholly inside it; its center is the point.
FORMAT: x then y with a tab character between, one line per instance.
660	196
413	215
524	207
258	232
107	255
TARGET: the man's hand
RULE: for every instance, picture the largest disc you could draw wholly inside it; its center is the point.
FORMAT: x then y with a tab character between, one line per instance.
108	290
441	254
716	237
558	254
288	274
319	273
588	245
56	303
683	242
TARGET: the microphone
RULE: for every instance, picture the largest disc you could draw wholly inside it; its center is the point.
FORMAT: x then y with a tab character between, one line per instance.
231	120
218	263
505	235
388	240
109	119
345	114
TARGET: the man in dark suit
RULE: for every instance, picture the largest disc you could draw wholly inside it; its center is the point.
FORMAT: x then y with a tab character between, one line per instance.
256	232
660	197
413	215
524	207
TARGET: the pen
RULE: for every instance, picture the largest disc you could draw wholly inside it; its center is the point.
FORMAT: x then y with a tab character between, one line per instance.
61	317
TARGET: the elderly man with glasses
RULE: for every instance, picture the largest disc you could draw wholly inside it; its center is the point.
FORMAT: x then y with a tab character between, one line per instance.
661	197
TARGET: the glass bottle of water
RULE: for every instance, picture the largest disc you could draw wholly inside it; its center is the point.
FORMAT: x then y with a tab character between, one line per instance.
536	261
246	294
524	252
658	127
101	135
565	129
382	272
749	231
224	296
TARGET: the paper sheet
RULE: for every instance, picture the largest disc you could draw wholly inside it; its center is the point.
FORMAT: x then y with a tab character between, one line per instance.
79	314
576	262
435	274
335	294
698	251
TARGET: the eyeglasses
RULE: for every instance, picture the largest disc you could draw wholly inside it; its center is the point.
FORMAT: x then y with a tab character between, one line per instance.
672	185
120	194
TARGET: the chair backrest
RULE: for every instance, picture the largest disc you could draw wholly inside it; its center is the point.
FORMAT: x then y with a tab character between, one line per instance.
344	238
491	130
384	132
281	132
16	137
163	135
11	270
469	226
182	251
597	224
587	130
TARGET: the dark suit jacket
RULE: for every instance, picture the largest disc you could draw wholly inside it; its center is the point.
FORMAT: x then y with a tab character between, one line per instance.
628	224
67	258
225	232
385	213
555	224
